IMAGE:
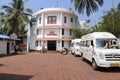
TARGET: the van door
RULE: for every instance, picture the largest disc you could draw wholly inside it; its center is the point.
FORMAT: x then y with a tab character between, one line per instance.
90	50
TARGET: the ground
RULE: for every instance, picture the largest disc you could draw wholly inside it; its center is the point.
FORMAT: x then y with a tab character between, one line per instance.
52	66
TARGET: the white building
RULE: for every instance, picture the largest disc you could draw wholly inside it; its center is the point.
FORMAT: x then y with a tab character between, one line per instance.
53	29
83	25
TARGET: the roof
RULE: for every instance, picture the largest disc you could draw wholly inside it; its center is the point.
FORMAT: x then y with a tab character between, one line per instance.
7	37
54	10
4	37
98	35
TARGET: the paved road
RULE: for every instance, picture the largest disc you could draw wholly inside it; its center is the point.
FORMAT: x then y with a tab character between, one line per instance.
52	66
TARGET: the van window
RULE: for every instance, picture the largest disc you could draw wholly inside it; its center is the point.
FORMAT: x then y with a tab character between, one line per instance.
87	43
100	43
106	43
92	43
77	44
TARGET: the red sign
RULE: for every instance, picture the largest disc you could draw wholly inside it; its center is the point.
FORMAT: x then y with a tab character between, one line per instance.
52	34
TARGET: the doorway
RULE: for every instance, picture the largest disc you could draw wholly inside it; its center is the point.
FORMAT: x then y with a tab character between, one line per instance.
8	47
51	45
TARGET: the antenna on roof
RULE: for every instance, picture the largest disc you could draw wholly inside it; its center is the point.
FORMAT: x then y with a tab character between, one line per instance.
41	8
70	5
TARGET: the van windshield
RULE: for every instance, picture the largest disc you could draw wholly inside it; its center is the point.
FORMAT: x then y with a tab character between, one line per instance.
77	44
107	43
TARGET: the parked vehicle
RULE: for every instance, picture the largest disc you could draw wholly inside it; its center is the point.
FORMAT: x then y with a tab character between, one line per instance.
75	47
101	49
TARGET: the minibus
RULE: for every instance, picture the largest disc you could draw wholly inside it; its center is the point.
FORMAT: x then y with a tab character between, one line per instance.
75	47
101	49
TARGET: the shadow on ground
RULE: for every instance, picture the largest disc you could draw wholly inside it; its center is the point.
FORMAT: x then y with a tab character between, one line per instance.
101	69
110	70
1	65
4	76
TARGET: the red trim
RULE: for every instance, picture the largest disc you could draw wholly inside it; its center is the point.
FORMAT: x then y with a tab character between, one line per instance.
55	27
52	34
65	39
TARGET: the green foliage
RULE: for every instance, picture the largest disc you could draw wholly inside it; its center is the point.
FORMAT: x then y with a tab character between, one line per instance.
15	17
110	22
90	6
79	33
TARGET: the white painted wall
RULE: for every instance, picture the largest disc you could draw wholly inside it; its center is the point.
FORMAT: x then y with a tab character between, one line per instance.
31	38
68	19
3	47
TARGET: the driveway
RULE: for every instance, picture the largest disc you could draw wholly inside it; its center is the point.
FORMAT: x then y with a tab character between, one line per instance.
52	66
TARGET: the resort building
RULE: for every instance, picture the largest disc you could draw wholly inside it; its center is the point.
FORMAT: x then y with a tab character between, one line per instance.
52	29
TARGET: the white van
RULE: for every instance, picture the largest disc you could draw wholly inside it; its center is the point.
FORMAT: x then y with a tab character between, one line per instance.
75	47
101	49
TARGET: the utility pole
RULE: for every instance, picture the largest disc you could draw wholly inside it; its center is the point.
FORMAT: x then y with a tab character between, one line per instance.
94	18
112	12
112	1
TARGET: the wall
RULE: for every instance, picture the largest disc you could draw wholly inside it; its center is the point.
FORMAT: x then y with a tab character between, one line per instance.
3	46
12	47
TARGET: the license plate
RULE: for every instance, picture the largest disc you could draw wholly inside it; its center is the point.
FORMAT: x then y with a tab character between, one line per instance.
114	65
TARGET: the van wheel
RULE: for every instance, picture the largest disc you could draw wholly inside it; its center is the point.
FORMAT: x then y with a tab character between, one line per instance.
83	59
94	65
75	54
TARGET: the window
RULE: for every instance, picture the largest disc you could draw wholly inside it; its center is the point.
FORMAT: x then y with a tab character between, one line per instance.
106	43
36	43
87	43
37	31
40	20
62	31
62	43
51	20
70	31
92	43
71	19
65	19
81	43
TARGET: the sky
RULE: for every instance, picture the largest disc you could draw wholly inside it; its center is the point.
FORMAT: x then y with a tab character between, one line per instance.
36	5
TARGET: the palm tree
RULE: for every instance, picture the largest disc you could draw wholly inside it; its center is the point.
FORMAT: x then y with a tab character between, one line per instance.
90	6
2	18
16	16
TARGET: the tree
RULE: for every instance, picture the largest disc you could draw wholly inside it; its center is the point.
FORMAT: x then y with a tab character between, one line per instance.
111	22
16	16
80	32
90	6
2	20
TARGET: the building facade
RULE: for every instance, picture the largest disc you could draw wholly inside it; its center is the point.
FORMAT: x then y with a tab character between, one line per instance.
7	44
53	29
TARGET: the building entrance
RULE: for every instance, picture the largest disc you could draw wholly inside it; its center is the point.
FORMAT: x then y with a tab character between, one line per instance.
51	45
